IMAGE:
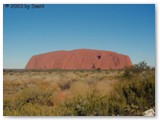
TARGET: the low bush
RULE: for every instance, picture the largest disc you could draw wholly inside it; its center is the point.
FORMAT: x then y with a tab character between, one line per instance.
136	94
129	72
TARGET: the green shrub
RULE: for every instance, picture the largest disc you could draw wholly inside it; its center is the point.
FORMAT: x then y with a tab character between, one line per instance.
138	93
131	71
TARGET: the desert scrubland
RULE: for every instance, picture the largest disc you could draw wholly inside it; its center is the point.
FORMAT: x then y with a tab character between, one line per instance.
125	92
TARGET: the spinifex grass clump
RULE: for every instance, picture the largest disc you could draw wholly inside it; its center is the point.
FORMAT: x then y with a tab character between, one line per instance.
92	104
31	101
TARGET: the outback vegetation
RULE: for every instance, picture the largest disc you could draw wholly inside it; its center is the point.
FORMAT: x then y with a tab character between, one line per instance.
125	92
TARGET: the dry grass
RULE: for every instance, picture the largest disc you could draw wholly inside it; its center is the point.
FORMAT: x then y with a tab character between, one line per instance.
48	92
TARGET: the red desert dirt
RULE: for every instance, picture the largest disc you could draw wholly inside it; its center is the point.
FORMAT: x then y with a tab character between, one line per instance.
79	59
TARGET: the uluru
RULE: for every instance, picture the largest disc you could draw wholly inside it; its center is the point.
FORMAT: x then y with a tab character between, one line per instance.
79	59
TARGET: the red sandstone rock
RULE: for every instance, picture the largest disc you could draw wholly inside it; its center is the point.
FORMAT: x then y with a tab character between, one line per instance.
79	59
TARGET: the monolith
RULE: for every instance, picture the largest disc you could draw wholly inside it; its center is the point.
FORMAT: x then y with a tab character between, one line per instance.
79	59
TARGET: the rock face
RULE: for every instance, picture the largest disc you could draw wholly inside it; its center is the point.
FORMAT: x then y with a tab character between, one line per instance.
79	59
